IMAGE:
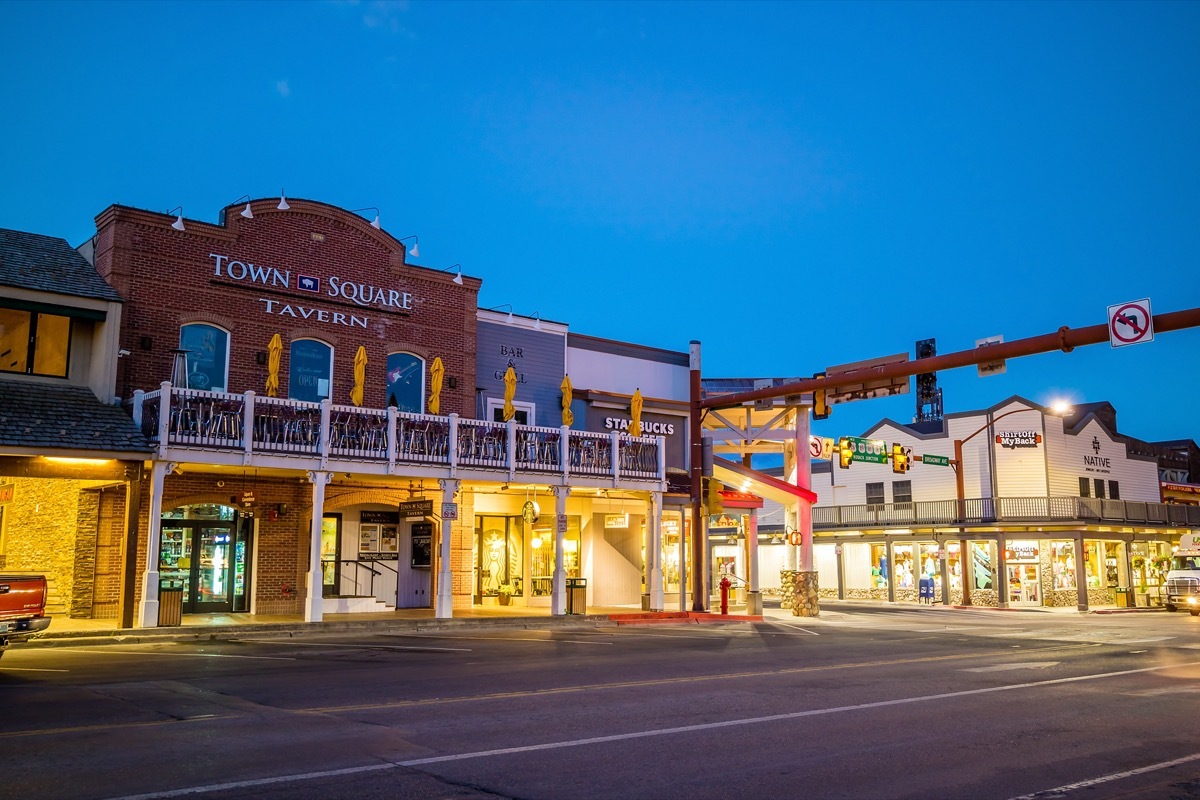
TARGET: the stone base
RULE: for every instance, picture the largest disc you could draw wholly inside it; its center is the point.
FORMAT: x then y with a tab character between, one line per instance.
805	595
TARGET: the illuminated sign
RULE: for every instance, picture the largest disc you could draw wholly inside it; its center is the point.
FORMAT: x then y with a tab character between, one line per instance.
1019	438
616	521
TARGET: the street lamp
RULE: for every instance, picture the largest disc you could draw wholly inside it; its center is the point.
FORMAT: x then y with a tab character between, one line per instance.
1060	409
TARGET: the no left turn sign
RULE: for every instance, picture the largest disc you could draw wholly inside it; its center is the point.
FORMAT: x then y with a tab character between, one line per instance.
1130	323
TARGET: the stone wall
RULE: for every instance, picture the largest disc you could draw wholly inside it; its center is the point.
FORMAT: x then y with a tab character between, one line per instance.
805	594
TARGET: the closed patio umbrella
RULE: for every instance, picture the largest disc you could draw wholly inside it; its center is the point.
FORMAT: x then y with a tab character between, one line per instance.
510	391
635	414
274	349
437	374
568	416
360	375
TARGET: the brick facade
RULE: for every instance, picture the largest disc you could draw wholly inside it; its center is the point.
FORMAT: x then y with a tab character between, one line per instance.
169	278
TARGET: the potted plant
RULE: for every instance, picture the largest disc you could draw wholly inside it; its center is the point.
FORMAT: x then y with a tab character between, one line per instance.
504	593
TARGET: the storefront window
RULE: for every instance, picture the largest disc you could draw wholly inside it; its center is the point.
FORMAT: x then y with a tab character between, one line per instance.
1093	560
208	356
541	555
879	566
33	343
499	557
1062	562
311	369
954	564
406	382
671	555
983	570
906	566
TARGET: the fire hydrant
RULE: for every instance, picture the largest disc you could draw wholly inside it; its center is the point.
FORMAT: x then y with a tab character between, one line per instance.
725	584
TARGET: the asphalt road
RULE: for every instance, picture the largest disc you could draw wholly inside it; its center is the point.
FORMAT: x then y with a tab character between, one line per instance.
863	702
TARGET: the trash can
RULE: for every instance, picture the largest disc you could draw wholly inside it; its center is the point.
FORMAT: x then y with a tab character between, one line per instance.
170	603
1122	597
576	595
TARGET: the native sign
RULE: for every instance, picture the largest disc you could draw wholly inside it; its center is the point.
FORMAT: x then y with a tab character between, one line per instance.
1130	323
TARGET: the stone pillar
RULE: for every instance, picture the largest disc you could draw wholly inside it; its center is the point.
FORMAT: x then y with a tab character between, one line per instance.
805	599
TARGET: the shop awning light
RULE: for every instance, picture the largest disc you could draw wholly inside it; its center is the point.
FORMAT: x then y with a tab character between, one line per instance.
413	249
458	277
374	222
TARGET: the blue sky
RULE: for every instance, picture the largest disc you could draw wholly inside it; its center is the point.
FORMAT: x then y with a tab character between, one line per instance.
796	185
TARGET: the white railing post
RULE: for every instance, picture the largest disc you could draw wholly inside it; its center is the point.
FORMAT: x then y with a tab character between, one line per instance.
616	457
164	417
248	425
138	395
564	455
662	458
512	450
452	445
392	436
326	415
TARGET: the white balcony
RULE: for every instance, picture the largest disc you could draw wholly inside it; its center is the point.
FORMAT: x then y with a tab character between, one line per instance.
193	426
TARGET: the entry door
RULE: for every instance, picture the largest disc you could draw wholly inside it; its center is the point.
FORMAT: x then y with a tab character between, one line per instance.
1024	585
199	557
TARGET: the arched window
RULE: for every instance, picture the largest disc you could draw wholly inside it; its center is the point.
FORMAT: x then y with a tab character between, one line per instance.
311	371
208	356
406	382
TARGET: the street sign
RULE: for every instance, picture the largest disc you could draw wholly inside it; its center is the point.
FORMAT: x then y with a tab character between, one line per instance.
820	447
449	510
1130	323
872	451
562	523
997	367
935	461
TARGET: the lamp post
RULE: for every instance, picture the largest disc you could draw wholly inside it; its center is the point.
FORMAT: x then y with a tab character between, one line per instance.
1058	409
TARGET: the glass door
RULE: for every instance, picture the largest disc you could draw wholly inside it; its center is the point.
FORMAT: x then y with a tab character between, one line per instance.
1024	585
199	556
213	568
331	554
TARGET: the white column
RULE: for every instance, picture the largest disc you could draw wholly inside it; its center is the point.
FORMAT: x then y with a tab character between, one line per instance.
148	609
444	605
753	595
654	552
314	605
558	595
804	481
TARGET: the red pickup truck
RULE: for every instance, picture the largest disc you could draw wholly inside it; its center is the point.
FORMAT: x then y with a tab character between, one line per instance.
22	608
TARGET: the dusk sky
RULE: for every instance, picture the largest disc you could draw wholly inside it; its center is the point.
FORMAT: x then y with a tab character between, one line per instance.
796	185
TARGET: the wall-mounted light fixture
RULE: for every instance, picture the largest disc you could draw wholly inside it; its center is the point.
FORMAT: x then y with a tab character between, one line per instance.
412	249
283	204
245	212
375	222
537	321
502	305
451	382
458	276
146	343
178	223
260	357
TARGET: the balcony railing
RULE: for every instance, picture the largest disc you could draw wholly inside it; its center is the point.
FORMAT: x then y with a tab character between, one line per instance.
988	510
322	432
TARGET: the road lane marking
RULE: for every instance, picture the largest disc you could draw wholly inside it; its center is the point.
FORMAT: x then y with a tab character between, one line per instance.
541	640
109	651
682	729
591	687
292	643
112	726
1115	776
795	627
1007	667
31	669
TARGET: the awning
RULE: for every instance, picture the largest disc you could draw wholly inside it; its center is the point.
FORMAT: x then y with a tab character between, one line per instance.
734	474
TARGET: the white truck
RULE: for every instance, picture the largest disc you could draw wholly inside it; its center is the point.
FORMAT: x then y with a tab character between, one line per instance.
1183	578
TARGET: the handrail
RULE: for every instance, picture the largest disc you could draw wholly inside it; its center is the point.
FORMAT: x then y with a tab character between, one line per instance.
191	419
988	510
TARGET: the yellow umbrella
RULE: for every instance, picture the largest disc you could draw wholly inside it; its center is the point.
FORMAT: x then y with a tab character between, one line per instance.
274	349
635	413
360	375
567	391
436	374
510	391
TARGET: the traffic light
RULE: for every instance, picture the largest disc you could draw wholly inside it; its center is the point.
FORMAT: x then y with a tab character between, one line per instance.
712	497
845	453
899	458
820	406
820	409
